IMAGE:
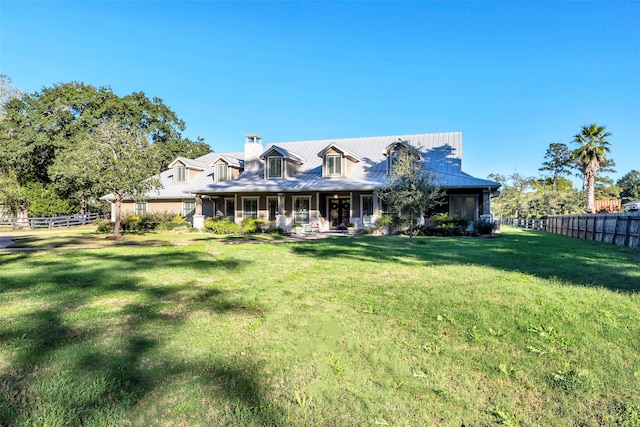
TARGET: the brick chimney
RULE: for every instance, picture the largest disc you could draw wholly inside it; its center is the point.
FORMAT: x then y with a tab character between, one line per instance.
252	152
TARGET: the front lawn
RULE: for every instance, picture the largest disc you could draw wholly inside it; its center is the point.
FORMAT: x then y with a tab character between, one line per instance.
526	329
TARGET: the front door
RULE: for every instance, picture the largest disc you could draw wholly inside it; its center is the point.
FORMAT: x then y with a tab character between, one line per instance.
339	210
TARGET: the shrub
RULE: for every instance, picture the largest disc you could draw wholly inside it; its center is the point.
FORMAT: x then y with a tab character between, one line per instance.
484	227
154	221
105	226
131	222
274	230
445	225
221	225
252	225
384	220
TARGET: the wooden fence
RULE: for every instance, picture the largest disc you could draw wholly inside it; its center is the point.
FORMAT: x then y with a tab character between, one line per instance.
50	222
621	229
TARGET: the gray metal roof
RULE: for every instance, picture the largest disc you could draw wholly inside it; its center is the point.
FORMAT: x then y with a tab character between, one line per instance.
442	153
191	163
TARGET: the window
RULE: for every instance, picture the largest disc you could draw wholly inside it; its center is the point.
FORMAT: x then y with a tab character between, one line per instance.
229	208
274	167
463	207
140	208
367	209
221	172
181	173
249	208
334	165
272	208
392	157
188	208
301	210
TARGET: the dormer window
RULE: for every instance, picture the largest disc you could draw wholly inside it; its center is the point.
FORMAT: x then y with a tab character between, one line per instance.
334	165
392	157
180	173
337	161
221	172
274	167
404	149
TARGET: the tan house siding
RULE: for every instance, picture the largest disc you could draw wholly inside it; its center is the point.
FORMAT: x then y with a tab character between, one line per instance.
290	168
233	172
349	166
155	206
192	174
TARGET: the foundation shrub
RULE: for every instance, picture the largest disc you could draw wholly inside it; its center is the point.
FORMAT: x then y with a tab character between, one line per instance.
221	225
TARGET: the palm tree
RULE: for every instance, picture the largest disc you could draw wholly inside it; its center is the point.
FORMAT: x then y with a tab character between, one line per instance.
590	156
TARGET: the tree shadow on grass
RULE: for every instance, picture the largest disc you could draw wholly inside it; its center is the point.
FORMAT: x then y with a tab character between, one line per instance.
56	369
545	255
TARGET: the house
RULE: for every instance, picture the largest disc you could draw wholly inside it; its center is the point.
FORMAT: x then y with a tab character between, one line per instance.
632	206
326	183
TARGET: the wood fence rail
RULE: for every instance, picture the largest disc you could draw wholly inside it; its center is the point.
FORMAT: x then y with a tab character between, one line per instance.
621	229
50	222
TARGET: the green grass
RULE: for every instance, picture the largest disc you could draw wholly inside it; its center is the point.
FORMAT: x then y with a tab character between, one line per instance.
526	329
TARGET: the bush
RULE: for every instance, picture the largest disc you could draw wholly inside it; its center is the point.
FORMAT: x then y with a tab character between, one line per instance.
274	230
252	225
131	223
444	225
154	221
484	227
384	220
105	226
221	225
395	224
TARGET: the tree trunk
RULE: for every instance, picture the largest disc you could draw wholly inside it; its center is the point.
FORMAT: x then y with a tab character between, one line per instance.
411	227
116	227
23	216
591	191
592	170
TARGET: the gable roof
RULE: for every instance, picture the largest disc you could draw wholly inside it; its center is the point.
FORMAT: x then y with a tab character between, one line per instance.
348	154
190	163
281	151
442	153
230	161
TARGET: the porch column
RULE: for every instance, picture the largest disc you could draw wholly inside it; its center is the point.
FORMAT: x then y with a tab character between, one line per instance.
281	219
198	218
350	206
198	205
376	208
486	204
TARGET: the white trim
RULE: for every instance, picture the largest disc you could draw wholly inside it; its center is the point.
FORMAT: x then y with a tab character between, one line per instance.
340	163
184	214
136	209
362	196
268	168
293	207
176	174
234	207
226	171
477	205
245	198
276	198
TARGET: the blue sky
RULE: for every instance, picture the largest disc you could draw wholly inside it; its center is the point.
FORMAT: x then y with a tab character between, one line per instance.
513	77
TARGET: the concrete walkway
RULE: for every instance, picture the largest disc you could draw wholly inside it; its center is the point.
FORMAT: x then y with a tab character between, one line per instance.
5	241
7	237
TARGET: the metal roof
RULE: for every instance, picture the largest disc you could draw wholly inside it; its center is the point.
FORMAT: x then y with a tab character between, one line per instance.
442	153
190	163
